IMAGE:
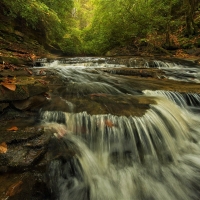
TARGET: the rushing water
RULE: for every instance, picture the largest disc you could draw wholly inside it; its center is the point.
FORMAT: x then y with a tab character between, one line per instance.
107	157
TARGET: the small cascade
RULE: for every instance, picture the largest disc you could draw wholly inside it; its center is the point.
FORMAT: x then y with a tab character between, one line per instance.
118	157
160	64
183	100
146	63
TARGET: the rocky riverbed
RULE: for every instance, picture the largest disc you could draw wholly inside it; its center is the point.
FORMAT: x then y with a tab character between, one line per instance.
24	143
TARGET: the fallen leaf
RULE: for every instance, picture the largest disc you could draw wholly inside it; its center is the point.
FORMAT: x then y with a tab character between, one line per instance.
109	123
14	128
14	189
3	147
9	86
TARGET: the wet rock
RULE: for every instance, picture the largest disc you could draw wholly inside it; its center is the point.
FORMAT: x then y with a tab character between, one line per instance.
27	185
13	137
24	148
32	103
12	113
114	104
58	104
37	88
141	72
20	158
21	92
3	106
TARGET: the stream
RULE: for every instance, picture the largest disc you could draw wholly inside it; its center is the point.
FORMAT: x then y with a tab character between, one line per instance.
122	140
109	128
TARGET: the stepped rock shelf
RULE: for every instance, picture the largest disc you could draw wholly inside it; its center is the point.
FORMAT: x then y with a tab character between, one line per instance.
96	86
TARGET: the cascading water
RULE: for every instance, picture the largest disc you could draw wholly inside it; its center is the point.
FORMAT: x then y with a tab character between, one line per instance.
110	157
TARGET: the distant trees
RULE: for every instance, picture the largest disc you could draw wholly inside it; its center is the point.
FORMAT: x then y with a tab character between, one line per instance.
96	26
119	22
189	7
48	16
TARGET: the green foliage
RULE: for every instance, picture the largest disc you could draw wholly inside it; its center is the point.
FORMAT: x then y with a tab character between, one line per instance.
119	22
50	16
96	26
32	11
71	43
116	22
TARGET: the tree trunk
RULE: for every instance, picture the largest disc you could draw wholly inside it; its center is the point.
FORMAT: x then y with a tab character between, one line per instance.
168	27
190	6
167	39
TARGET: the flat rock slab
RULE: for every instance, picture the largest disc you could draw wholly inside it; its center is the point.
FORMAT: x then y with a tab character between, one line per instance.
142	84
141	72
100	103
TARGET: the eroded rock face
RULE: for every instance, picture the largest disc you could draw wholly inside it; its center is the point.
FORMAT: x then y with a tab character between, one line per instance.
26	155
25	148
22	92
3	106
26	185
32	103
23	163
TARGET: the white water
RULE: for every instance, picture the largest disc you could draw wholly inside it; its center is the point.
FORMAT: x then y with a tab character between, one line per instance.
153	157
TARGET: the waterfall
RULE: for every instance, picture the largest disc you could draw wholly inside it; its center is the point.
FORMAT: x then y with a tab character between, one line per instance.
155	156
183	100
109	157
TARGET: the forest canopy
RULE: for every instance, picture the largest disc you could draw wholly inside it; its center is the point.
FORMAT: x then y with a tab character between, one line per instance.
93	27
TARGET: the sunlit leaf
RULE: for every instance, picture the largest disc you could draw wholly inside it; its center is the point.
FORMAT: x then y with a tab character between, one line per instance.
14	128
9	86
3	147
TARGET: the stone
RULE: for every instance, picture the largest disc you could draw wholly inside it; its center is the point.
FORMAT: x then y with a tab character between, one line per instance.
22	92
25	148
32	103
3	106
